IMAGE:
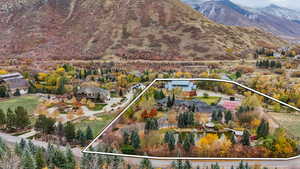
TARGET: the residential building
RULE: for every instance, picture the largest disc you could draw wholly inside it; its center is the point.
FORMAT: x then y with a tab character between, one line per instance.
14	82
94	93
186	86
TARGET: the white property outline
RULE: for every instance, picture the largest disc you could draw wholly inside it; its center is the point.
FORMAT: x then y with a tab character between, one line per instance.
187	158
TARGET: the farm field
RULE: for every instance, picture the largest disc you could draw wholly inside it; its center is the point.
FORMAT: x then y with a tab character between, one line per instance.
28	102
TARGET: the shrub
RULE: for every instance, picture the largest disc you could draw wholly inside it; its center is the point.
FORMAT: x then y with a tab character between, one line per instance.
127	149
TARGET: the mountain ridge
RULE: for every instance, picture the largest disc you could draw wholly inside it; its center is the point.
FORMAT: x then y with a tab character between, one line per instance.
133	29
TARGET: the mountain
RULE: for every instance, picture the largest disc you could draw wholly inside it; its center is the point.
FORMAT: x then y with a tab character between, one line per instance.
274	19
281	12
119	29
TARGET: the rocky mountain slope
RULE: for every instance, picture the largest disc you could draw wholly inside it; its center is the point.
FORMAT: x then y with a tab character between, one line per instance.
274	19
126	29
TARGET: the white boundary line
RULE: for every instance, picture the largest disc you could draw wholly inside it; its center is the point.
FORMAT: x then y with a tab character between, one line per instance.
187	158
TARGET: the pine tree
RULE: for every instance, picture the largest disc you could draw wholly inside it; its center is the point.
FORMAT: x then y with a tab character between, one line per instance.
22	117
169	102
2	118
145	164
246	138
17	93
170	140
11	119
27	161
81	137
89	133
187	165
69	131
125	138
173	99
135	140
263	129
70	159
228	116
40	159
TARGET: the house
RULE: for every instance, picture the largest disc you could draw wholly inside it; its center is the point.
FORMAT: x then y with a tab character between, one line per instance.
138	86
277	55
93	93
186	86
14	82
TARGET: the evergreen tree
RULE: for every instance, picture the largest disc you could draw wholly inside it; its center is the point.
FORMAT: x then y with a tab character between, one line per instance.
11	119
22	117
17	93
81	138
263	129
60	129
70	159
220	116
170	140
69	131
145	164
246	138
232	139
173	99
169	102
60	85
228	116
187	165
2	118
126	138
89	133
3	91
177	164
45	124
40	159
214	116
238	74
27	161
135	140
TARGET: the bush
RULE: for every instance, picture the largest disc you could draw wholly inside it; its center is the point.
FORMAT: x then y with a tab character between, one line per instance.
127	149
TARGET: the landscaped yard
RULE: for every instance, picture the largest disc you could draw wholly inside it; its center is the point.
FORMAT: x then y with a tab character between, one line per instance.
28	102
96	125
98	107
289	121
209	100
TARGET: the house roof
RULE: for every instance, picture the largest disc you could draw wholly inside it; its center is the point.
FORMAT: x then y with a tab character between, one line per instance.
14	80
92	89
199	106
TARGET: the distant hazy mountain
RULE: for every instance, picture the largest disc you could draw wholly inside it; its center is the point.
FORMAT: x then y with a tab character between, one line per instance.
275	19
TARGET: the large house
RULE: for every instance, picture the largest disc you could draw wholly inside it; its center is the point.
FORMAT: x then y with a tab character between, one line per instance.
14	82
93	93
186	86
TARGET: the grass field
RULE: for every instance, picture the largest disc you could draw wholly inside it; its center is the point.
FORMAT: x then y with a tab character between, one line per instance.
209	100
28	102
98	107
96	125
289	121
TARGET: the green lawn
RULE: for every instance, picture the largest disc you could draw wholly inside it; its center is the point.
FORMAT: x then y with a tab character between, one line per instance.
209	100
28	102
96	125
98	107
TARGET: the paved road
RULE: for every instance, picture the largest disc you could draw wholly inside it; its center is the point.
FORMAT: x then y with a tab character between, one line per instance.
14	139
226	164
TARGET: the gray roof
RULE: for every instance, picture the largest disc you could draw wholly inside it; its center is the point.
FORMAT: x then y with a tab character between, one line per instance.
199	106
14	80
92	89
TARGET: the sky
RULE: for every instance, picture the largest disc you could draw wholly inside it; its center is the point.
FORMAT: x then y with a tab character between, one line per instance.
293	4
